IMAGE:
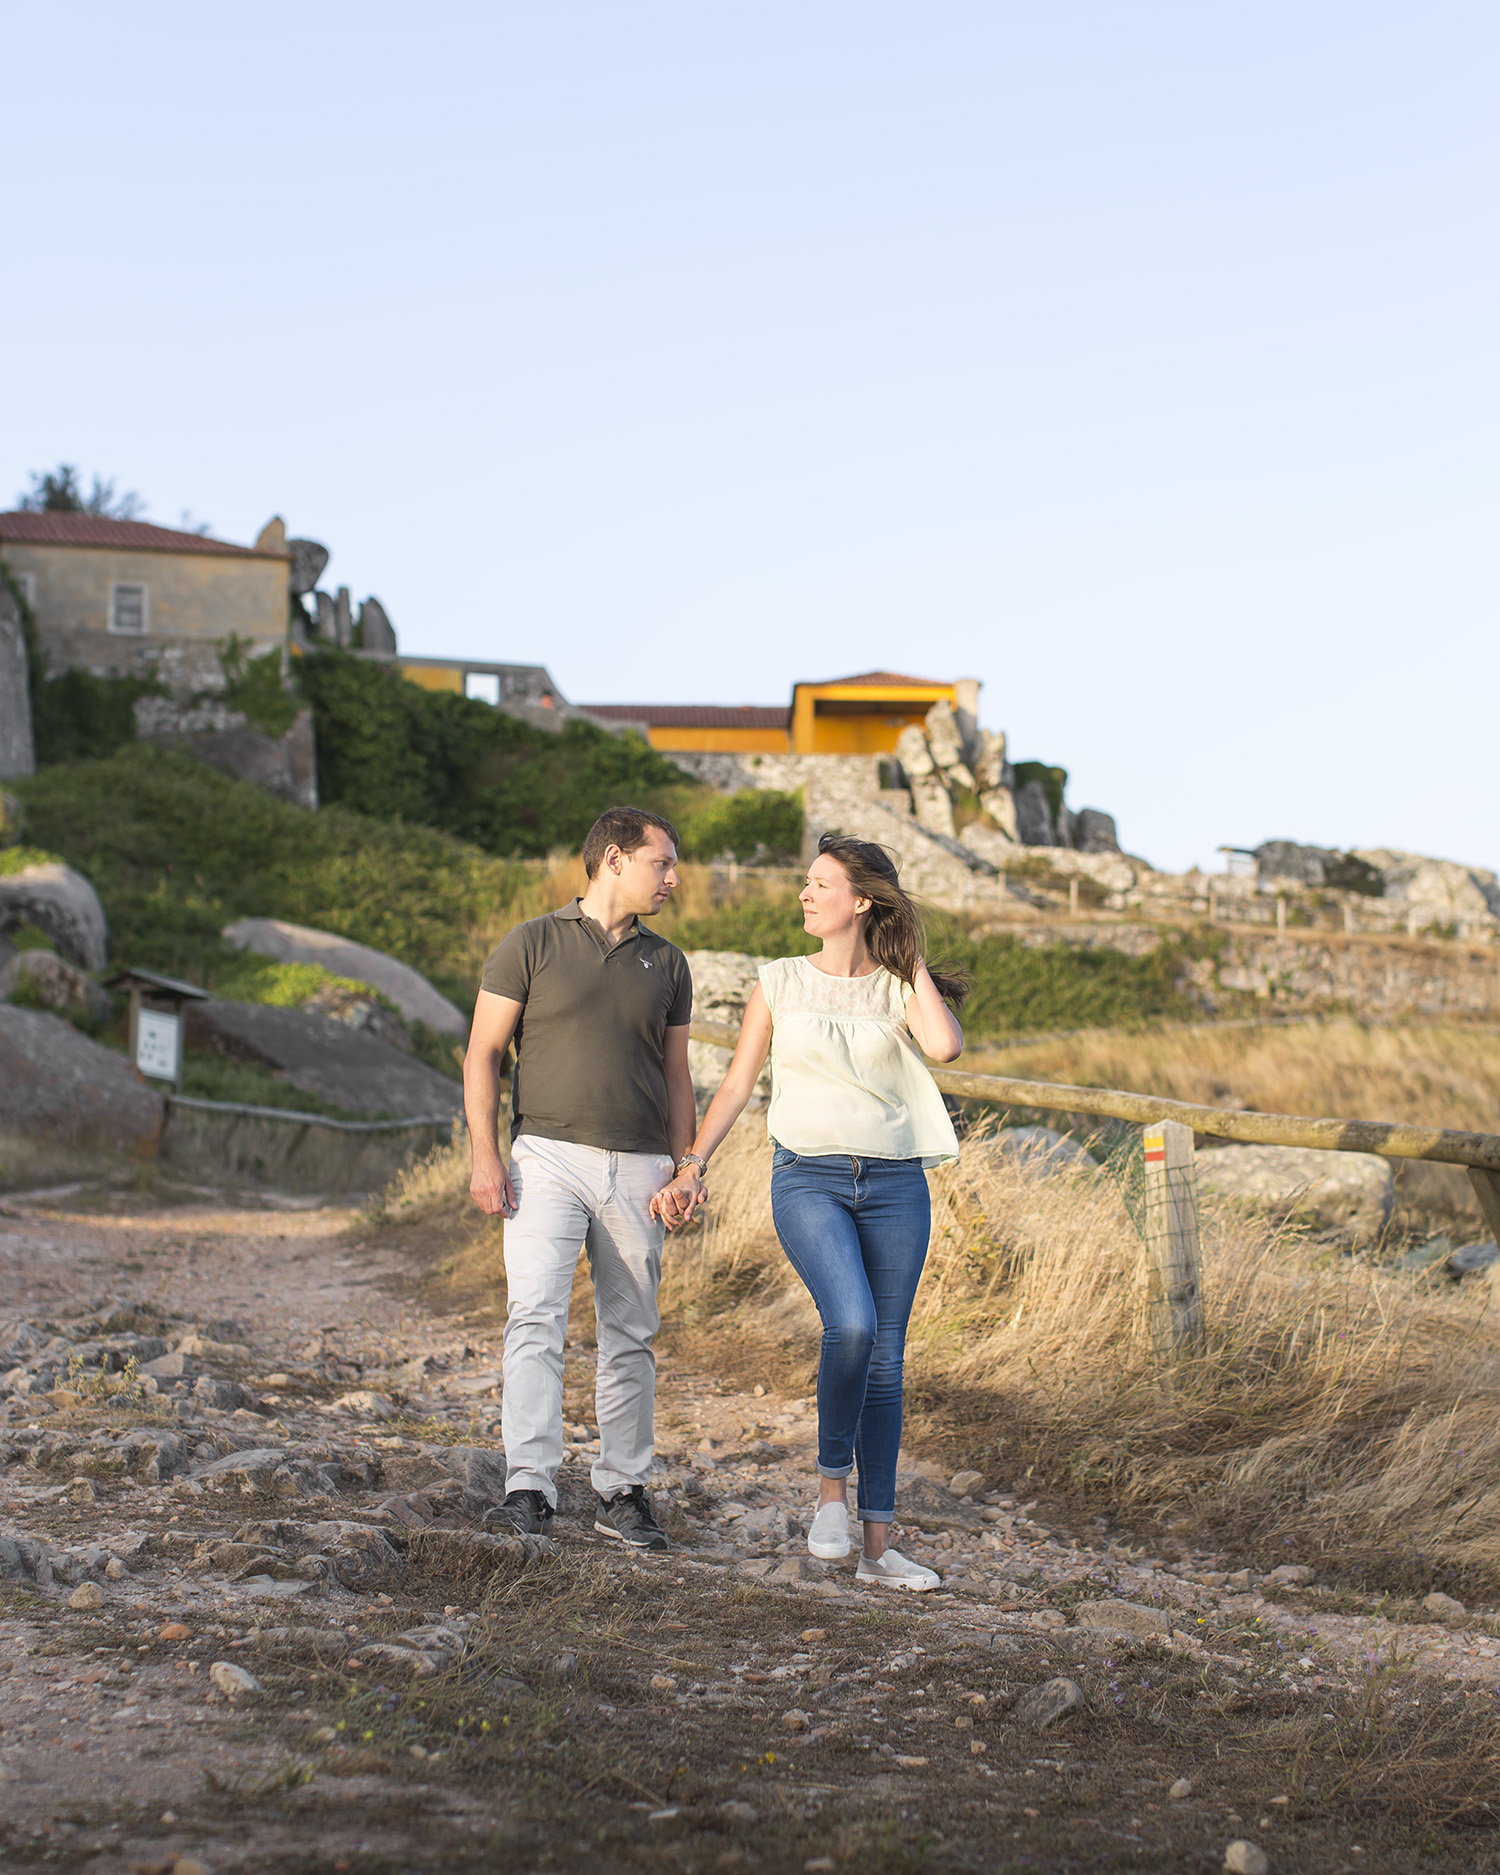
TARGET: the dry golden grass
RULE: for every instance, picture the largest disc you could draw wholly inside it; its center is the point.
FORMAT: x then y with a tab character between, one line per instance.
1447	1076
1337	1405
1345	1407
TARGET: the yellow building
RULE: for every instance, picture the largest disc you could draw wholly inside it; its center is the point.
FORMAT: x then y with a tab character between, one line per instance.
125	598
861	715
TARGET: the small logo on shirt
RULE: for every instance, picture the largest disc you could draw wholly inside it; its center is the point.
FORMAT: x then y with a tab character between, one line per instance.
645	963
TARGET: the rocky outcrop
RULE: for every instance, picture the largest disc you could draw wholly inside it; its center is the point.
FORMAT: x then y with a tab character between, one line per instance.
412	994
225	738
1349	1191
58	1087
61	903
376	633
17	753
42	980
354	1070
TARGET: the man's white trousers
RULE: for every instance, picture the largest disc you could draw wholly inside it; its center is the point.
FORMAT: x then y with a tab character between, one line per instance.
570	1198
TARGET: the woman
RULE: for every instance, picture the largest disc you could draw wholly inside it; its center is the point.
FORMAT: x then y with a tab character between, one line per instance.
855	1117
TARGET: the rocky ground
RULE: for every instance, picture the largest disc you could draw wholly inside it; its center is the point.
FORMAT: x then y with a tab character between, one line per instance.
249	1619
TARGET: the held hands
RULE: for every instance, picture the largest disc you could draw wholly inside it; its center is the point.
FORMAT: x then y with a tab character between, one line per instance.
492	1191
675	1204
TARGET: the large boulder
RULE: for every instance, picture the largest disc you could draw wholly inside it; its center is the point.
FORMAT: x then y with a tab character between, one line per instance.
348	1067
376	633
17	753
1352	1191
1034	824
722	982
309	557
1094	831
410	991
59	1087
60	902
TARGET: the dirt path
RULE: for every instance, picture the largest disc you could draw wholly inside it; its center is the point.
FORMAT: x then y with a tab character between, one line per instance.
233	1446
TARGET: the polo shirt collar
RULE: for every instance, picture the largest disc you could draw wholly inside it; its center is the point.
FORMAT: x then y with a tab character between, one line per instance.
574	910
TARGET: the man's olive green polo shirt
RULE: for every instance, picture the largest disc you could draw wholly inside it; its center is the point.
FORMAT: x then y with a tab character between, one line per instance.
592	1036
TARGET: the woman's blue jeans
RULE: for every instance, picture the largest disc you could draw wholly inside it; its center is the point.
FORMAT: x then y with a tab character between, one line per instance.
855	1231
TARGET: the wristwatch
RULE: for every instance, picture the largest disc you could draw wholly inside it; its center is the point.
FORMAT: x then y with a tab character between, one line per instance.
692	1158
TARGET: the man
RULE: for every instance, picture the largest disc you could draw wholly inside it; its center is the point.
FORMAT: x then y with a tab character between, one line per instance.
598	1006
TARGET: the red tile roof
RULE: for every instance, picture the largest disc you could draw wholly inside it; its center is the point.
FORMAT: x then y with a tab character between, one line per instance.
891	677
96	530
693	715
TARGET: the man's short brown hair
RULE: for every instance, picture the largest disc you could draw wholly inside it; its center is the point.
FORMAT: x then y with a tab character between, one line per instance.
624	827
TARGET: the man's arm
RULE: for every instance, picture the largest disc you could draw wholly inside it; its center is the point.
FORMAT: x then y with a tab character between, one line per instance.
495	1020
682	1104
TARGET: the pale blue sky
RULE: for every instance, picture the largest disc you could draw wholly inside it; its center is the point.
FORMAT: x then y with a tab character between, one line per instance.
1138	360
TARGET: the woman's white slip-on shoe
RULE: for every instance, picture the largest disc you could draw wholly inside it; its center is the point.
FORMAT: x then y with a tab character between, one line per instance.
829	1534
896	1571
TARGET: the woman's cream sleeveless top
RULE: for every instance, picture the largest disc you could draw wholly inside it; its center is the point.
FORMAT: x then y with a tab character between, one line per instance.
846	1076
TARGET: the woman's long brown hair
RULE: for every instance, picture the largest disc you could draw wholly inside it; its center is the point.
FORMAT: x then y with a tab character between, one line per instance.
893	932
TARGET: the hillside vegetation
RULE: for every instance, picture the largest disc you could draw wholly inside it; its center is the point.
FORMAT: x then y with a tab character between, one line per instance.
177	850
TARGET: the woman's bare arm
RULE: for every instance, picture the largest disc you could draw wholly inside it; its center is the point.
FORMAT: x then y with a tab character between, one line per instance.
931	1021
676	1202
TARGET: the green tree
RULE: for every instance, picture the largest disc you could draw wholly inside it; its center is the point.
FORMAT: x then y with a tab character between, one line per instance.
58	491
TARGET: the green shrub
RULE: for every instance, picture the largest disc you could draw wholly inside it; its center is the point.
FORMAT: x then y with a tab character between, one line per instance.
395	751
77	716
14	859
176	850
257	687
759	825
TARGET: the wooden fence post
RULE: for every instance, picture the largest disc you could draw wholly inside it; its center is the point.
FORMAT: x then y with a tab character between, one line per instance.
1172	1239
1487	1191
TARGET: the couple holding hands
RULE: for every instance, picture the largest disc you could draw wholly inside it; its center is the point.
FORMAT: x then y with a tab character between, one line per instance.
605	1157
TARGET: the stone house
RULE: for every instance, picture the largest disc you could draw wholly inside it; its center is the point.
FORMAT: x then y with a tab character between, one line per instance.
128	599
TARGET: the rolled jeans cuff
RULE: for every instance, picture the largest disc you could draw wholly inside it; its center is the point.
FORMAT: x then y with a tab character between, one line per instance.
875	1516
835	1471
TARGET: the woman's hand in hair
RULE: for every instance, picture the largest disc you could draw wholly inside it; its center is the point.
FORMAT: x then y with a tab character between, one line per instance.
933	1024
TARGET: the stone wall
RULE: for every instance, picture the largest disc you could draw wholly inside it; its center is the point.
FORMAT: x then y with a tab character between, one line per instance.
17	754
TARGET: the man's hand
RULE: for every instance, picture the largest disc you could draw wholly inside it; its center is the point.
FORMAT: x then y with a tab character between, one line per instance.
491	1189
675	1203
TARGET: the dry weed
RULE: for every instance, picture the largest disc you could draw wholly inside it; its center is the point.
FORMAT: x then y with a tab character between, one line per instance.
1336	1408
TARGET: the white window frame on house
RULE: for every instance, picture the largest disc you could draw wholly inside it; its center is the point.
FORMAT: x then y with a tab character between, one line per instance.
26	585
116	587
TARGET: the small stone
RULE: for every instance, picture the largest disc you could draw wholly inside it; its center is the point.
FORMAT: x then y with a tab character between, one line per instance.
82	1491
795	1720
759	1391
1044	1705
967	1483
190	1865
909	1763
963	1723
176	1631
1123	1617
1183	1787
87	1595
733	1811
1239	1581
232	1681
819	1864
1290	1575
561	1666
1443	1607
1246	1858
978	1747
114	1569
323	1735
809	1635
664	1816
662	1682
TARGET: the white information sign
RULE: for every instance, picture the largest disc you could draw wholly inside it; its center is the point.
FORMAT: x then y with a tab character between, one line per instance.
156	1043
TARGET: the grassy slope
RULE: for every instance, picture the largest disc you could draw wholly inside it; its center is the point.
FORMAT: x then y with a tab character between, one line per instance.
177	850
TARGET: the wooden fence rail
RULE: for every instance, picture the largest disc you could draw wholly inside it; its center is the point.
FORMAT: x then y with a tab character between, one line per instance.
1478	1152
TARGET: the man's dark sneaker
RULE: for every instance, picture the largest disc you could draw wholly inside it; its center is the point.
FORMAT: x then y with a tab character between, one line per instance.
524	1513
627	1516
